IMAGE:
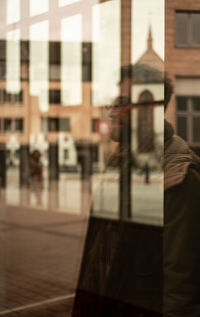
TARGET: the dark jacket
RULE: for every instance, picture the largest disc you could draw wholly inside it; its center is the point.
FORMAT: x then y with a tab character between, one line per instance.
181	228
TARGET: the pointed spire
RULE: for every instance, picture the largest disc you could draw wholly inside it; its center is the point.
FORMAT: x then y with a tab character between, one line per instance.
150	39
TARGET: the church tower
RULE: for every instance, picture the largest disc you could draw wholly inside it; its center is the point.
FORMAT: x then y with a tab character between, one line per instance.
150	57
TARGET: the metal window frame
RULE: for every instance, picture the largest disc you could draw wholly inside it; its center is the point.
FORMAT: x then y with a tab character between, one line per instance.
189	29
189	114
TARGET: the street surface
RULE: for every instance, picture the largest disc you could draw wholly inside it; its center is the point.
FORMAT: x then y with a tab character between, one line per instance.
42	236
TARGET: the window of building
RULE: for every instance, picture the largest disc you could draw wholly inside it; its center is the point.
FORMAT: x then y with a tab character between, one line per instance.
53	124
44	124
7	125
12	125
6	97
54	53
18	125
187	28
94	125
64	124
54	96
145	123
86	64
188	118
2	70
66	154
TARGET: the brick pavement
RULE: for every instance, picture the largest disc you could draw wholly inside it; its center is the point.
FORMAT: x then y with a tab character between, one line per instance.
40	254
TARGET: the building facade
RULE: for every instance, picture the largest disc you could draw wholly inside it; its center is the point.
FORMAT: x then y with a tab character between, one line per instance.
182	65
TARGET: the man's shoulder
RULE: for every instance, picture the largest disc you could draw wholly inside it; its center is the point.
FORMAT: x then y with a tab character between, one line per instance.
179	161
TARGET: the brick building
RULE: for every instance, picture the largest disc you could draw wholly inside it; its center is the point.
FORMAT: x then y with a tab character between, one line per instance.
182	63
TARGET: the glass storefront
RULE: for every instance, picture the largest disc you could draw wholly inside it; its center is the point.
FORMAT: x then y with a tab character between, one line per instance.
81	156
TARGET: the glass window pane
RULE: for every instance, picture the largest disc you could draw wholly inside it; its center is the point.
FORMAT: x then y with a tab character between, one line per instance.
196	129
182	127
53	124
182	26
71	61
106	52
38	6
13	61
64	124
196	103
13	11
39	63
181	103
7	125
19	125
54	96
195	20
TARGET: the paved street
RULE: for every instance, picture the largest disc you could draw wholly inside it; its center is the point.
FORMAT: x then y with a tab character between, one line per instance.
42	243
68	195
40	260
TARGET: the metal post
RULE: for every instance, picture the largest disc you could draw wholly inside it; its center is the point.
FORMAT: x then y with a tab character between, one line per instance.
125	133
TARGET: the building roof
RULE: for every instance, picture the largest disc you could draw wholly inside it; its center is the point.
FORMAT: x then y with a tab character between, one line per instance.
150	57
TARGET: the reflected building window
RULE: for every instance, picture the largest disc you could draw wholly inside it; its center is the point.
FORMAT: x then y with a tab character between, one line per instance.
94	125
187	28
54	96
13	61
7	125
55	124
54	61
145	123
39	63
71	60
106	52
10	125
2	59
87	62
6	97
18	125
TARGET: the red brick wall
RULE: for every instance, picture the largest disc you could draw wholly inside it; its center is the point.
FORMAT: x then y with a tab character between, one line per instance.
179	61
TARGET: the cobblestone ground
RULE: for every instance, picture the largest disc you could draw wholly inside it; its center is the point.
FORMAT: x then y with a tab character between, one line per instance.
40	256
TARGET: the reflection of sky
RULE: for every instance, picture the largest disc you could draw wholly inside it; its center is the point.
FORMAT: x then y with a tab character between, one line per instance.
106	51
104	30
13	61
144	13
38	6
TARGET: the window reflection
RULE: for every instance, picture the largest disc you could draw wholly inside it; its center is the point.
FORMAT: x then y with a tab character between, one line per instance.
81	130
39	63
106	52
71	60
13	61
38	7
13	11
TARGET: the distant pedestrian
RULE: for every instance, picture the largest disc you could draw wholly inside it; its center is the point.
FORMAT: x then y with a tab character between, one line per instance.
146	173
36	175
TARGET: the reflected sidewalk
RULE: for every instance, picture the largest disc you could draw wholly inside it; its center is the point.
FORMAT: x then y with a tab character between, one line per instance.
40	261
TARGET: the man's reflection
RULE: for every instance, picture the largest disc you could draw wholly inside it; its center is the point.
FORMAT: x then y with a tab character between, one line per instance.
119	114
181	225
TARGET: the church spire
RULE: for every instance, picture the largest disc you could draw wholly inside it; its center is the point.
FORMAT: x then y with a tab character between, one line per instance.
150	39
